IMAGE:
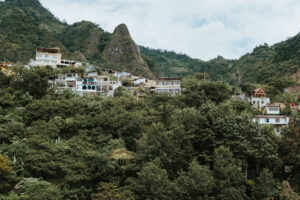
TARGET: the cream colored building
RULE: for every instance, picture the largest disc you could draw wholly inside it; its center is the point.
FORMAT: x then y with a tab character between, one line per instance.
47	56
171	86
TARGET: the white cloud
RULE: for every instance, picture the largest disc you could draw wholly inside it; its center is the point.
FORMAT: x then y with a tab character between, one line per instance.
200	28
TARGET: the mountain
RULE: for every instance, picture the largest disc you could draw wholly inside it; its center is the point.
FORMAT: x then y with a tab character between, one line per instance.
180	65
20	34
85	40
265	63
26	25
122	50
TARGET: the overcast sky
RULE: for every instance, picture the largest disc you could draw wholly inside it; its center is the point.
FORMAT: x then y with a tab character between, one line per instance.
200	28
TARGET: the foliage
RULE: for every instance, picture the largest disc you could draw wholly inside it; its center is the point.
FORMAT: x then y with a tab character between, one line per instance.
197	145
34	189
112	192
266	186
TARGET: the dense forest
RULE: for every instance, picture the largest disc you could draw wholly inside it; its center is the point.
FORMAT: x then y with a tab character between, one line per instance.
197	145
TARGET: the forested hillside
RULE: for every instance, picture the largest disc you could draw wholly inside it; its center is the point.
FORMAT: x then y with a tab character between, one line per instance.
269	62
180	65
26	25
197	145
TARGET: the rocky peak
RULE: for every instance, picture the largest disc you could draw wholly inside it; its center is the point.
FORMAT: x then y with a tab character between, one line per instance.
122	30
122	50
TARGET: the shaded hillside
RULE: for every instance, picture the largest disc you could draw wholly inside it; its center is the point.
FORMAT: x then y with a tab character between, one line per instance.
180	65
85	39
20	34
34	9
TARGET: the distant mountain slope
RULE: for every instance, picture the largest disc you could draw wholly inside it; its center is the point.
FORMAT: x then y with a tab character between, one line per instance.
180	65
281	60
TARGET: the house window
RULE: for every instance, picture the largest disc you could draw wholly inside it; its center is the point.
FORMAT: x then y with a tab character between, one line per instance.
93	88
262	102
267	120
253	102
277	120
84	87
89	87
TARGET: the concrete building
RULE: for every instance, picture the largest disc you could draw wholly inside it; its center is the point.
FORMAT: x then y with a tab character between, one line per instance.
66	63
277	121
65	81
171	86
273	109
91	84
259	99
47	56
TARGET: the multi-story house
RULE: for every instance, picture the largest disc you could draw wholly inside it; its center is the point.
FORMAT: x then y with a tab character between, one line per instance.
277	121
259	99
47	57
170	86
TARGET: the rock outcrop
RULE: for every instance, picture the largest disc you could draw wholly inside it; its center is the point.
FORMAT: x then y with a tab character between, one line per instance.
122	50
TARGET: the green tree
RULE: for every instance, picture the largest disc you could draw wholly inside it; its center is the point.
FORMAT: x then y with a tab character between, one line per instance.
152	182
109	191
34	189
196	183
121	91
228	176
7	178
266	186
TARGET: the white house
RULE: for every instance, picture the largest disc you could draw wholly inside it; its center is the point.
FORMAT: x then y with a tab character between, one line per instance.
277	120
273	109
138	82
66	81
67	63
259	99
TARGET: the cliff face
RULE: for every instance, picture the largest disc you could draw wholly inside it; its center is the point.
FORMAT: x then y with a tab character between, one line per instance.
122	50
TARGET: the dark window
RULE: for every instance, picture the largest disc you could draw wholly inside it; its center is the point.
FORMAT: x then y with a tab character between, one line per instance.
84	87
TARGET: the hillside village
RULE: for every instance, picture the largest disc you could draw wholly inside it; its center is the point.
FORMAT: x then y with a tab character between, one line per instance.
105	82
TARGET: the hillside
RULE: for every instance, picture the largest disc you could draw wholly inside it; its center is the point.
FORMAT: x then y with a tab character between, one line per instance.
269	62
180	65
122	50
26	25
20	34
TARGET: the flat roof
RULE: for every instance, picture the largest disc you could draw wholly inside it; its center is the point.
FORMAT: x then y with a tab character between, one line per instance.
48	50
270	116
168	78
